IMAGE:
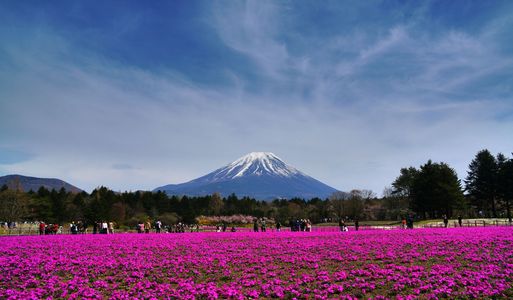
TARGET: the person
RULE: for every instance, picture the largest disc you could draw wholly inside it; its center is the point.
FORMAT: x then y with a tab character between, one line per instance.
255	226
158	226
79	226
73	228
356	224
224	226
42	228
84	227
105	227
341	224
278	226
147	226
403	224
409	222
291	225
308	225
446	221
140	227
111	227
262	226
460	221
233	229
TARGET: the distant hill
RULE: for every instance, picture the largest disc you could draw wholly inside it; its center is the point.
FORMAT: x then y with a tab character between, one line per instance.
260	175
27	183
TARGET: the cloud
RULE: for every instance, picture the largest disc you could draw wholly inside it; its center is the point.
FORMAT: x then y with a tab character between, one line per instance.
250	28
123	166
396	35
10	156
349	105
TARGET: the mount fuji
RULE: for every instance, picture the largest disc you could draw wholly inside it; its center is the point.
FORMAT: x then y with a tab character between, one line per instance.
260	175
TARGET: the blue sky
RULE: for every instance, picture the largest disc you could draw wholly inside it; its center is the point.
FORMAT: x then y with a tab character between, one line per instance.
135	95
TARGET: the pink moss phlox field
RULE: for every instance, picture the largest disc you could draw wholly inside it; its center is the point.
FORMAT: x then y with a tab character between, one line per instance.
401	264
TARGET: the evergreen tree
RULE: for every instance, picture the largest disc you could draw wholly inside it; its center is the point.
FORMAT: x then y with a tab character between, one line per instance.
505	183
481	182
436	190
404	182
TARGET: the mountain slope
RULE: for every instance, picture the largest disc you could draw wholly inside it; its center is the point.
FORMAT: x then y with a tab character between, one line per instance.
27	183
261	175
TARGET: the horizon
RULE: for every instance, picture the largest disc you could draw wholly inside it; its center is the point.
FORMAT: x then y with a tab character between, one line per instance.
141	95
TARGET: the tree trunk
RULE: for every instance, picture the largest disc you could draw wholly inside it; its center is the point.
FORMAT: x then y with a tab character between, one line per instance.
494	211
508	210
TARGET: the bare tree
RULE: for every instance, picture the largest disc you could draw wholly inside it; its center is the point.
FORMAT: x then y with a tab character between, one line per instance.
215	204
355	203
13	205
337	204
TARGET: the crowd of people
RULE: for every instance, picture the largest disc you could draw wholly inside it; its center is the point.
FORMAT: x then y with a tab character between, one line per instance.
259	225
300	225
158	227
103	227
78	227
262	224
407	223
223	227
45	229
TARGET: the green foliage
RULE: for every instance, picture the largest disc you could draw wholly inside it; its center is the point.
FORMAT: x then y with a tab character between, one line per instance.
436	190
505	183
430	191
481	182
403	183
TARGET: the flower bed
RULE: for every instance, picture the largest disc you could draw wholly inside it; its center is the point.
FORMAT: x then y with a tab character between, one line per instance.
425	263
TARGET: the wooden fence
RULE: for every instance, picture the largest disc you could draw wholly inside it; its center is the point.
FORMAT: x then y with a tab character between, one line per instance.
469	223
34	229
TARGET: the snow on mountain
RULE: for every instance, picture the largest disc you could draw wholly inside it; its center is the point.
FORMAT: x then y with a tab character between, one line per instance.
261	175
255	163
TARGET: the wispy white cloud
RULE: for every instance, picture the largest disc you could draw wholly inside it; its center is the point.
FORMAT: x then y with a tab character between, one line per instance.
350	108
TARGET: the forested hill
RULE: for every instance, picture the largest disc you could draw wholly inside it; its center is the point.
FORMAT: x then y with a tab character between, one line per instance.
26	183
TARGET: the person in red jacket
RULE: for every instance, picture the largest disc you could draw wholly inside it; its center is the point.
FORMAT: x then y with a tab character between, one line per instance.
42	228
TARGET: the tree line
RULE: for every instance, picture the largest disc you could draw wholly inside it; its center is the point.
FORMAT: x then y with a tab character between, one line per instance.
434	189
130	208
430	191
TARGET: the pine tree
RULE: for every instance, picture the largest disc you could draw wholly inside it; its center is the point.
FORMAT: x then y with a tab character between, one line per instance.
403	183
481	182
436	190
505	183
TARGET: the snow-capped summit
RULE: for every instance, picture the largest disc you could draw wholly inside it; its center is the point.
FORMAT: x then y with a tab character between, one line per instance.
256	163
261	175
